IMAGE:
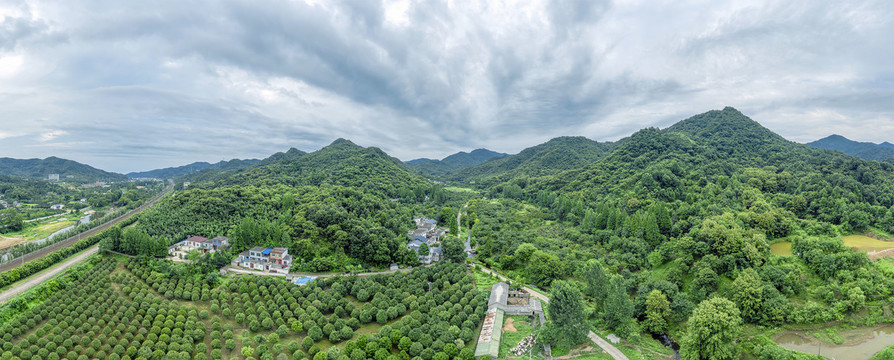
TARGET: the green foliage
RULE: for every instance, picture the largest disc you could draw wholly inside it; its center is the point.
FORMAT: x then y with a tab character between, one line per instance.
713	328
618	307
566	311
747	293
657	313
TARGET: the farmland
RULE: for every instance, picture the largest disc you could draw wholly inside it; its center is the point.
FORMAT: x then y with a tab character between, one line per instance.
130	309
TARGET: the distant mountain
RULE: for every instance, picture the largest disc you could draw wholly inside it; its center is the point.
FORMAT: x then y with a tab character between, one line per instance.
461	160
863	150
172	172
340	163
68	170
558	154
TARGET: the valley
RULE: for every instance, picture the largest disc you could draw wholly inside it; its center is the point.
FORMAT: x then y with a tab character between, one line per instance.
662	234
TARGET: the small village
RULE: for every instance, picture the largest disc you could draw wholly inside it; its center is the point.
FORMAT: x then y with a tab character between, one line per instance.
425	241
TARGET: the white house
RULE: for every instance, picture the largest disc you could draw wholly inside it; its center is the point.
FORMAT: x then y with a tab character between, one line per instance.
275	260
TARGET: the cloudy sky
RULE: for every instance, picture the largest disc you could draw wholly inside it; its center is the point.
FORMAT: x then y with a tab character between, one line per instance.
126	85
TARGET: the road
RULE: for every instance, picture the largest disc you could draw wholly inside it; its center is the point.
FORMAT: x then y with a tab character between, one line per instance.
605	345
34	255
35	280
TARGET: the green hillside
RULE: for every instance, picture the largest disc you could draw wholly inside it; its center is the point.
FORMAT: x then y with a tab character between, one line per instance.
558	154
332	208
691	211
68	170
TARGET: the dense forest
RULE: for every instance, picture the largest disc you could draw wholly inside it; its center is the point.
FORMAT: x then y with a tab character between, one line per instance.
691	211
340	207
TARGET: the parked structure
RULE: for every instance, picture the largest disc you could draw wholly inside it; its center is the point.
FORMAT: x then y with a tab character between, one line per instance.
57	206
260	258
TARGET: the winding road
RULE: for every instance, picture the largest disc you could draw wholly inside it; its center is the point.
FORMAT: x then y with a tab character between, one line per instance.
605	345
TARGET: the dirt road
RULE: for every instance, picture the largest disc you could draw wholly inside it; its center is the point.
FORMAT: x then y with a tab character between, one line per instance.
46	275
605	345
70	241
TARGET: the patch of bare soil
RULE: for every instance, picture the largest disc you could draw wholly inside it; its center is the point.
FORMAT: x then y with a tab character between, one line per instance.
510	325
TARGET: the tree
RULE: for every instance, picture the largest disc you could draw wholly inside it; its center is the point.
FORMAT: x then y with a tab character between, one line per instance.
11	220
247	351
597	282
713	327
566	311
747	294
657	312
424	250
618	307
453	249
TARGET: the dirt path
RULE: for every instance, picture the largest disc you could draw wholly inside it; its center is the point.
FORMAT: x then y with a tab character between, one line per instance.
46	275
70	241
605	345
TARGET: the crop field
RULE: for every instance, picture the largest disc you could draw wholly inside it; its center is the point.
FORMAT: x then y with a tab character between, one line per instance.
131	309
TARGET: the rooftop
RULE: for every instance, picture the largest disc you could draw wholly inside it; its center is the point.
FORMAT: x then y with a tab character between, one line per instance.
196	239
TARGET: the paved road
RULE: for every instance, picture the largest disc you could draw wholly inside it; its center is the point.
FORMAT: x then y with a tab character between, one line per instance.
605	345
35	280
37	254
318	275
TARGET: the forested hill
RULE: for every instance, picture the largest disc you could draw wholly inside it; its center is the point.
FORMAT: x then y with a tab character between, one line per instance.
340	163
461	160
332	208
41	168
172	172
558	154
710	160
863	150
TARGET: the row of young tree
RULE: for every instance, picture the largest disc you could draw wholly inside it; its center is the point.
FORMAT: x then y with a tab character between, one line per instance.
151	311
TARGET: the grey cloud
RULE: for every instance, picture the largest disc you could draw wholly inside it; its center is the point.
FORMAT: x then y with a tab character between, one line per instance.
184	78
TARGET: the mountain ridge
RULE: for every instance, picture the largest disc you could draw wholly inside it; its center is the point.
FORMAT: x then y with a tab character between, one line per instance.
863	150
35	168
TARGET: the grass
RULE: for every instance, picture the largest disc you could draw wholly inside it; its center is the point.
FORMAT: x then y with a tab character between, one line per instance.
510	339
484	281
461	189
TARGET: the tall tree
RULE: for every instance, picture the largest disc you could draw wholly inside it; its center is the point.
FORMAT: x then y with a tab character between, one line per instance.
566	311
747	294
618	307
713	327
453	250
424	250
657	312
597	282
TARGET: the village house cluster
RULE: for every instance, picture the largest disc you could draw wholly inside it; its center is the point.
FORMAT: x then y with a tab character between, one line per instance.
427	232
276	260
197	243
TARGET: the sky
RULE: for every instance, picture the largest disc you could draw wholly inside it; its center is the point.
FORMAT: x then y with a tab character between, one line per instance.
128	86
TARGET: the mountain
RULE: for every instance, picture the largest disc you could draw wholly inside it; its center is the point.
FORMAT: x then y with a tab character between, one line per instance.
68	170
863	150
558	154
343	204
172	172
461	160
340	163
